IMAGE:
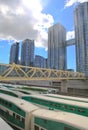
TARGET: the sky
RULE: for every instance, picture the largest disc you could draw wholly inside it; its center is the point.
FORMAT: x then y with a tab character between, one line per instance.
21	19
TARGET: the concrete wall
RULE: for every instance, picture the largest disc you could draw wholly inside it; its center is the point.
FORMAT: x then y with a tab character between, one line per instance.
73	87
78	84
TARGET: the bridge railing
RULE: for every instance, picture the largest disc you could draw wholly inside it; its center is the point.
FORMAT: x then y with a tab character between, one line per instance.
19	72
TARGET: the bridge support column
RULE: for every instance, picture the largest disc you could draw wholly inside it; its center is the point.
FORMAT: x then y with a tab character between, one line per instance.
64	86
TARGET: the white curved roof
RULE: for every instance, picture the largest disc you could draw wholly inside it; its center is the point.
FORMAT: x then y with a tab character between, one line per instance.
68	97
4	125
24	105
71	119
73	103
19	94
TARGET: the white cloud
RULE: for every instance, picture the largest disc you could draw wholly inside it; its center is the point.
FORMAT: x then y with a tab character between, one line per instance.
69	3
21	19
70	35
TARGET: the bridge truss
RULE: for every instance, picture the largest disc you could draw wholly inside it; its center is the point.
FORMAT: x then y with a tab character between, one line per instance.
14	72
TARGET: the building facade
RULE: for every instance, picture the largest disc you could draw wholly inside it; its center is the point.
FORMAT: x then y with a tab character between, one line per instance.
14	53
81	37
57	47
27	52
40	61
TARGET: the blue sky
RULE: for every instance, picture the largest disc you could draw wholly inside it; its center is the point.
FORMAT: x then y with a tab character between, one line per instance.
21	20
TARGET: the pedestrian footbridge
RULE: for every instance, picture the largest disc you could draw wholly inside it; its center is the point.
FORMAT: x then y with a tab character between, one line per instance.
14	72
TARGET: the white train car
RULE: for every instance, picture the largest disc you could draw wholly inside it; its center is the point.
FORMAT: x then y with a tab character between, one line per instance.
26	116
52	120
80	99
16	111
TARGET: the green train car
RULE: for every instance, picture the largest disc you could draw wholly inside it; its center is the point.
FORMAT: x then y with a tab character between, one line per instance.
16	111
13	93
52	120
80	108
26	116
51	101
79	99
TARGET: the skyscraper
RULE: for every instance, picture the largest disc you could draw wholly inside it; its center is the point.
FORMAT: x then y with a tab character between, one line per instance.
40	61
14	53
57	47
27	52
81	37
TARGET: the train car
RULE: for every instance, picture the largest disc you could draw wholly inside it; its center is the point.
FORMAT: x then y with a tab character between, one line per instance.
68	97
26	116
4	125
16	111
26	91
52	102
59	104
50	120
11	92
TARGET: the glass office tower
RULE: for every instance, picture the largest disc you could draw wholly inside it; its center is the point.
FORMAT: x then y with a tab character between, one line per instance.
14	53
81	37
27	52
57	47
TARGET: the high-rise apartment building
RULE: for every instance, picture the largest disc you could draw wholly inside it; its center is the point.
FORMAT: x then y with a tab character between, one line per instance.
40	61
27	52
57	47
14	53
81	37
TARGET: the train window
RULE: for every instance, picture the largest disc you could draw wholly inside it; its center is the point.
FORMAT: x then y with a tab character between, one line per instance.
7	112
10	105
14	114
57	105
23	120
72	108
18	117
36	127
67	128
81	110
6	103
45	121
51	103
3	101
65	106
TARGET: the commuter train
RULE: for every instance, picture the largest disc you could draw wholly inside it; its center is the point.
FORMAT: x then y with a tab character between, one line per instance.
73	106
15	92
11	92
16	111
23	115
79	99
76	107
19	93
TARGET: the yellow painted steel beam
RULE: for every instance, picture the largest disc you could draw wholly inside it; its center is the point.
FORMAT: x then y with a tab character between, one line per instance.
19	72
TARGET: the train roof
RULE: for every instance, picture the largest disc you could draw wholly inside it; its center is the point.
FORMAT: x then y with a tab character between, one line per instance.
22	104
17	93
75	120
26	91
70	102
68	97
4	125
